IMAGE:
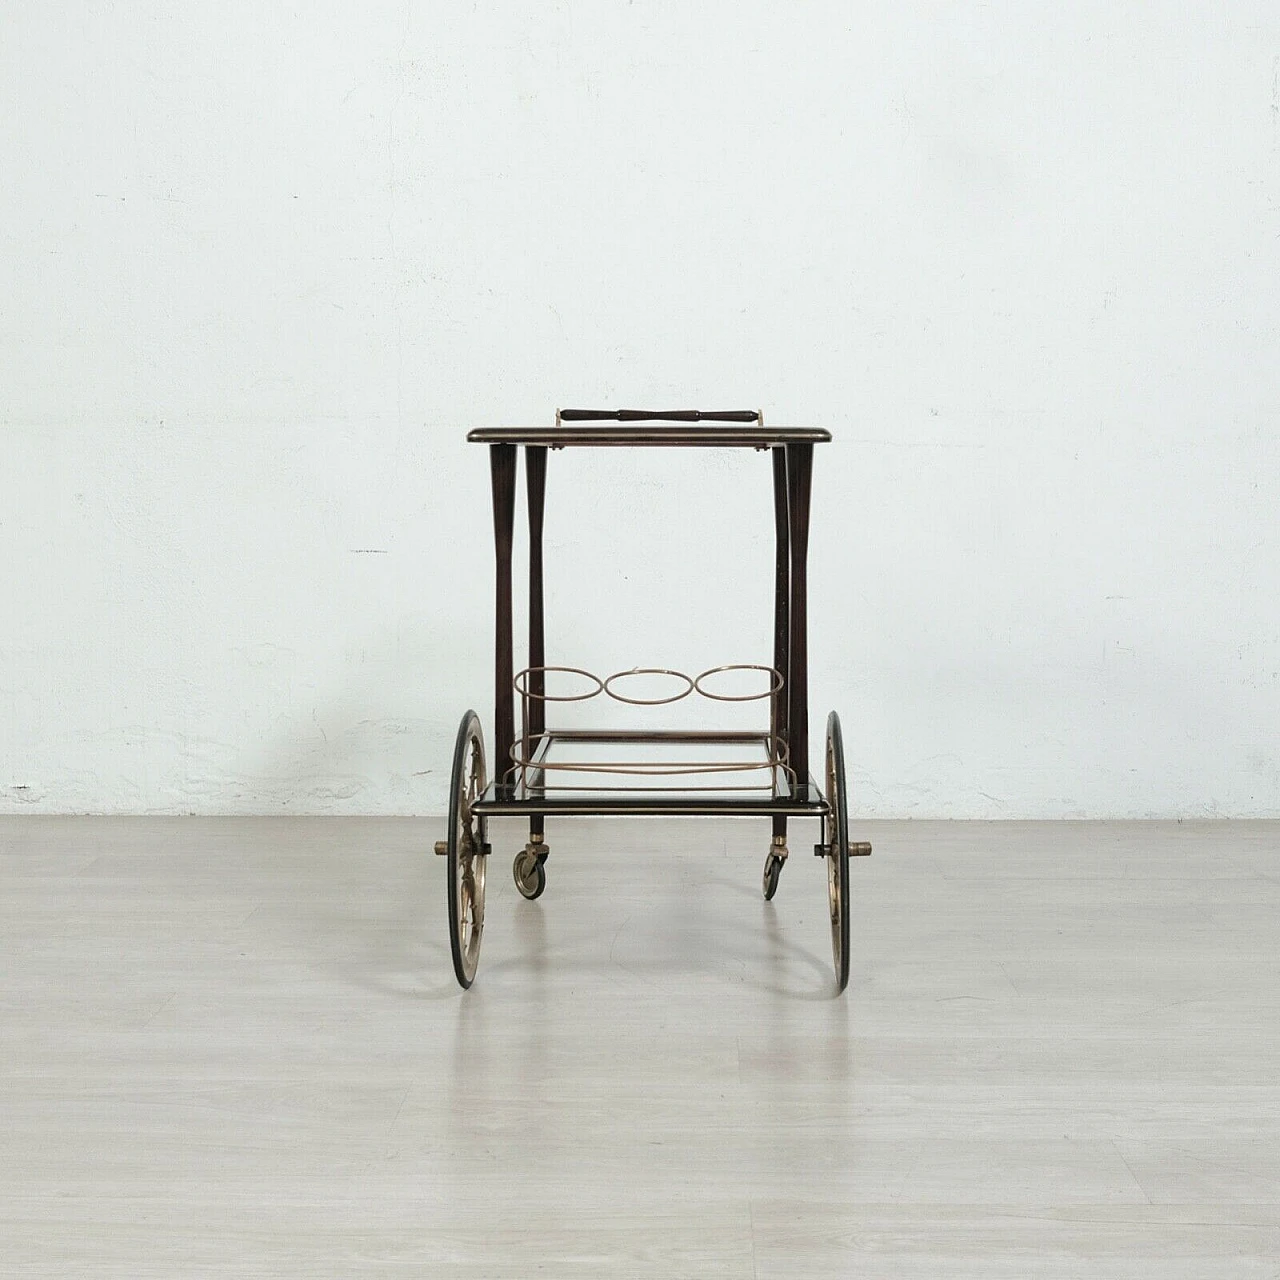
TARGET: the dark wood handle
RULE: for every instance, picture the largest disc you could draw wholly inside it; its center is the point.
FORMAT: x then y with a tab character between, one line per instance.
658	415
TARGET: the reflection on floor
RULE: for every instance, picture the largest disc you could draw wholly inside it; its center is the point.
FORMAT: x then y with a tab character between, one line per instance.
235	1047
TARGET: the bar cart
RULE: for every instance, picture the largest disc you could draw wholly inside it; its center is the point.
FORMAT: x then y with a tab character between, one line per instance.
539	771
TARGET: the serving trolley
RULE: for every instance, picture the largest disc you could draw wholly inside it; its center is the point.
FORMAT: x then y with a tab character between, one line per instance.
543	772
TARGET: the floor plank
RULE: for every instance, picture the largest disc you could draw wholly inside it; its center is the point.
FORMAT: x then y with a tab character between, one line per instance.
235	1046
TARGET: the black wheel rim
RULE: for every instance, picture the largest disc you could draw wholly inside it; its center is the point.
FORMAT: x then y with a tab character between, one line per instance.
467	850
836	838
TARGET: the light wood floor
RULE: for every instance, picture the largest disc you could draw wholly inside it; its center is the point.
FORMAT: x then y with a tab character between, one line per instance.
235	1047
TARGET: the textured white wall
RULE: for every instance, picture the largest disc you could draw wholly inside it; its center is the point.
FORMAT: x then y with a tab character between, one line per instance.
262	265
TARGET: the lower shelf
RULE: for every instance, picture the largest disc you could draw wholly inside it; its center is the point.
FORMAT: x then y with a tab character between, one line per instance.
513	801
600	772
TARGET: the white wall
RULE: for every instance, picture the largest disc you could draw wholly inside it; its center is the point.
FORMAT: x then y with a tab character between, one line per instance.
263	264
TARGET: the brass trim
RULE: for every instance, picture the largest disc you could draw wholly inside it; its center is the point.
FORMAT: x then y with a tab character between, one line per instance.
648	671
776	683
524	692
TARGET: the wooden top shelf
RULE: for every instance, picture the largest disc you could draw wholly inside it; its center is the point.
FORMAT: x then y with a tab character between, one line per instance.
651	434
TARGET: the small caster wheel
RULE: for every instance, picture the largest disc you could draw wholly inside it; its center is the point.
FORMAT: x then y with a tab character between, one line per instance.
773	866
530	875
772	870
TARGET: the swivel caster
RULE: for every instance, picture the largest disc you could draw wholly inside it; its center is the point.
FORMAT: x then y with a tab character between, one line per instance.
773	867
528	870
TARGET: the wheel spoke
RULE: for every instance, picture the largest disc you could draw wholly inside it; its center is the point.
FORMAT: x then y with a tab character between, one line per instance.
466	851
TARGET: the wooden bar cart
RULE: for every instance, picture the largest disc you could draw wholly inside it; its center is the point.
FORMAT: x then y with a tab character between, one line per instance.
541	772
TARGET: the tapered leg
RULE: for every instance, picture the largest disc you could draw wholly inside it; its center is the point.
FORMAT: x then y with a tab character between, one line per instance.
799	481
781	606
502	467
535	472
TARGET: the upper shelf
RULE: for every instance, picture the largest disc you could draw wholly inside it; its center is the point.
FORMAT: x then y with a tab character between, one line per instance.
681	427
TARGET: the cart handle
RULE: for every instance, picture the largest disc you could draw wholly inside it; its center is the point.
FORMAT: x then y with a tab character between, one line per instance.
659	415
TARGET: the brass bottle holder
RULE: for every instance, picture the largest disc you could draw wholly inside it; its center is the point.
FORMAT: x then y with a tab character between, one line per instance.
526	758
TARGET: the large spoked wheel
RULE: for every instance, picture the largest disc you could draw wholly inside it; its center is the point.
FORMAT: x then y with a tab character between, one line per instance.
467	850
836	839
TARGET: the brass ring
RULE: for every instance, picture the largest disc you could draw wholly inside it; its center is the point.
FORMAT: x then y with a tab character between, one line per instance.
648	671
776	683
523	690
